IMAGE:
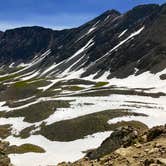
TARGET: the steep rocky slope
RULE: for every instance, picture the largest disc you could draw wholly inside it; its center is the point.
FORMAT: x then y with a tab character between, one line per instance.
118	43
135	148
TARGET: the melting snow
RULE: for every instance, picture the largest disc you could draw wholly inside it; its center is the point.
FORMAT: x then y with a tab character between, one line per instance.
97	104
89	44
71	151
25	99
30	76
49	69
17	124
34	62
11	65
123	33
91	30
144	80
55	151
67	74
122	42
107	18
23	64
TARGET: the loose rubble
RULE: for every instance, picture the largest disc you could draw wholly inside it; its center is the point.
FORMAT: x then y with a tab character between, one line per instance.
128	146
4	159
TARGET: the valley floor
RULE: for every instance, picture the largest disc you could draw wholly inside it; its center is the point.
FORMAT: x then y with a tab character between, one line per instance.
69	116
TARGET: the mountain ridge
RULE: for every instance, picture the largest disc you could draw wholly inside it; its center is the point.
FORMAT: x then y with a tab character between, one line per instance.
22	44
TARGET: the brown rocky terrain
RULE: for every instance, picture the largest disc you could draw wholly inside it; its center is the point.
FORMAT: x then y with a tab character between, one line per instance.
4	159
128	146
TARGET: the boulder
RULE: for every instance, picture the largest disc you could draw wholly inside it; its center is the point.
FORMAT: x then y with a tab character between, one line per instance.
121	137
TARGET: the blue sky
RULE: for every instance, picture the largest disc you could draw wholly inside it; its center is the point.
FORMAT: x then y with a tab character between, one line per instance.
59	14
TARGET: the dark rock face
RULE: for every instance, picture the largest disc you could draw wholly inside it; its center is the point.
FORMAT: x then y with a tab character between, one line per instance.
122	136
145	51
127	136
1	33
156	132
23	43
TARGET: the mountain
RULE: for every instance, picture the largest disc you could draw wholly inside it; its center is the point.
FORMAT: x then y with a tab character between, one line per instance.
144	52
68	90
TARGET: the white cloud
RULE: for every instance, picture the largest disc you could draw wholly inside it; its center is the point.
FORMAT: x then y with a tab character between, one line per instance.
5	26
58	22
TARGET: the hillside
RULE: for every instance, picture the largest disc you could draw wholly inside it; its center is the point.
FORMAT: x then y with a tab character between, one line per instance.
134	149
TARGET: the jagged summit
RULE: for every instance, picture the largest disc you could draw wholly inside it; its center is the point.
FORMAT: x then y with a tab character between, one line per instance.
110	13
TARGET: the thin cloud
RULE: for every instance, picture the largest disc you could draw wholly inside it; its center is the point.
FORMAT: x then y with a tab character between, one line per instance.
7	26
56	22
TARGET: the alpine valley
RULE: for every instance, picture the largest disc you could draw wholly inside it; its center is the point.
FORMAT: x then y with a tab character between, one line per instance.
62	93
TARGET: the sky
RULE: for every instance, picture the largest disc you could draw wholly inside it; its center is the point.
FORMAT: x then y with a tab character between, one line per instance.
59	14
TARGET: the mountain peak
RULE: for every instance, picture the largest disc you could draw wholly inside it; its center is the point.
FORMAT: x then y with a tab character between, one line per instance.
143	10
111	13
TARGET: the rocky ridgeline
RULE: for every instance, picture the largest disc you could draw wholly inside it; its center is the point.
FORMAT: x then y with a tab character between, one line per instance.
113	40
4	159
128	146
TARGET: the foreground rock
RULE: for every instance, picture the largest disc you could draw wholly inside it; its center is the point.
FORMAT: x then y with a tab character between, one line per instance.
123	136
129	147
4	159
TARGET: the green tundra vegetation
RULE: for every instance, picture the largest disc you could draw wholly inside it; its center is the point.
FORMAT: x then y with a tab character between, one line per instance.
38	112
25	148
69	130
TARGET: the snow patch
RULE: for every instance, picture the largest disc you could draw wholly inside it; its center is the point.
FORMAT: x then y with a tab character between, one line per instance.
30	76
123	33
55	154
122	42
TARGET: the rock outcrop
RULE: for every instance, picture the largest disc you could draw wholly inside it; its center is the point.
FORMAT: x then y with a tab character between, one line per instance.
134	149
4	159
123	136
